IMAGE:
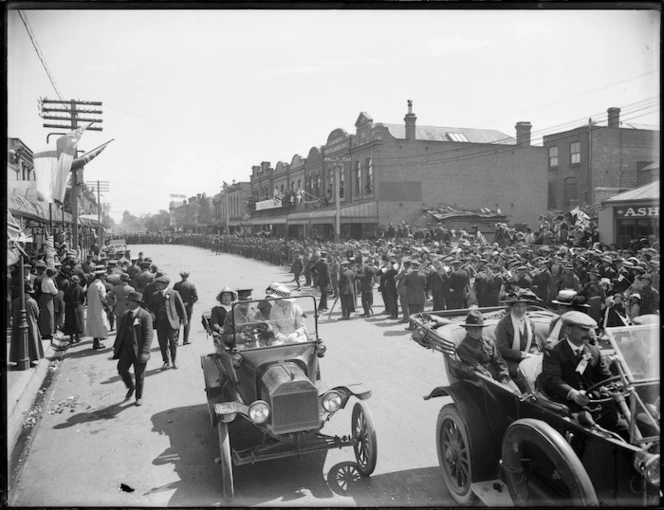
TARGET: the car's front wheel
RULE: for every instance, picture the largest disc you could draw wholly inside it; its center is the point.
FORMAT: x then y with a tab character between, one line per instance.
225	460
364	438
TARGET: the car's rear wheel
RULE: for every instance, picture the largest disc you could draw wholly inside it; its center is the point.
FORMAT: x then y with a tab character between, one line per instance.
364	438
225	460
539	466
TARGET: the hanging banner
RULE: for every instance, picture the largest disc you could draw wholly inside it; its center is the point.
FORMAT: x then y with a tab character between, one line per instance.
44	167
272	203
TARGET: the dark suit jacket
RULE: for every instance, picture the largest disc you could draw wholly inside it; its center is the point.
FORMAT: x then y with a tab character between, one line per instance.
172	302
346	282
459	281
415	283
322	269
187	292
559	374
142	336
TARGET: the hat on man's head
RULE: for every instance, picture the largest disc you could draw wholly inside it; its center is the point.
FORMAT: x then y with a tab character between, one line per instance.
227	290
112	263
473	319
145	263
415	264
645	276
125	277
184	274
323	254
163	279
521	296
135	296
278	290
580	319
40	265
244	294
455	262
635	295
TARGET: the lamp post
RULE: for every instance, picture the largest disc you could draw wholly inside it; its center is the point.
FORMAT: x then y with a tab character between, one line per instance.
21	342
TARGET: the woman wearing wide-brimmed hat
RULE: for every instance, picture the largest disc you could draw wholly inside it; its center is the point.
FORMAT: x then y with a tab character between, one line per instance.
515	333
226	298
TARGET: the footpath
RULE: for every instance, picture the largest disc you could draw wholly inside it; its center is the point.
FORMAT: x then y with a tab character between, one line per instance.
23	387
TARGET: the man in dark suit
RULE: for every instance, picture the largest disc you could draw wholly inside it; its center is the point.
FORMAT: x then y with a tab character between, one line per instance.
415	283
573	365
169	311
365	277
189	296
346	287
459	286
322	270
132	345
391	295
437	283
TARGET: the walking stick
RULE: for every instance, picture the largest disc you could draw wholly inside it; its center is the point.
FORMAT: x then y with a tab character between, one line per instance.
329	315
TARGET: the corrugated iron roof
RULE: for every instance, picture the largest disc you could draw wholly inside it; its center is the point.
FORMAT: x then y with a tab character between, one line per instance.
440	134
647	192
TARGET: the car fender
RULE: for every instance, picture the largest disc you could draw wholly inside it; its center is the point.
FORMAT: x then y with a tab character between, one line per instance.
440	391
357	390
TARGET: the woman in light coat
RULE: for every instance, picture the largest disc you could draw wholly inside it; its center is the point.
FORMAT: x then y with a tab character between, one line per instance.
97	322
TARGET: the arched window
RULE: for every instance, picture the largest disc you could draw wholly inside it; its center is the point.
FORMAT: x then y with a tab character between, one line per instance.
368	190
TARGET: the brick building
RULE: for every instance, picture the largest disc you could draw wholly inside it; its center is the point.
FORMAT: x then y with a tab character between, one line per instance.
393	172
614	155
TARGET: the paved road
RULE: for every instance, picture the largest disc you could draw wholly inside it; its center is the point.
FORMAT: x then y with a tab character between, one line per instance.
90	441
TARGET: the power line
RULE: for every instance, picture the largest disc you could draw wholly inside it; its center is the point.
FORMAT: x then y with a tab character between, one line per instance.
39	53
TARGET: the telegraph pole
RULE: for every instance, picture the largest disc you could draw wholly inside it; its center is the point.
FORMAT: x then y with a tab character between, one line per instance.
99	186
71	114
337	167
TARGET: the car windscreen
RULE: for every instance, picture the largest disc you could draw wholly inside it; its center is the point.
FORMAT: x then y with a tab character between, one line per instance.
274	321
638	347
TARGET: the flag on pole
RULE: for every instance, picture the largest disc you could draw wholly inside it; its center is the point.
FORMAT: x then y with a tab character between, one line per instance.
88	156
53	167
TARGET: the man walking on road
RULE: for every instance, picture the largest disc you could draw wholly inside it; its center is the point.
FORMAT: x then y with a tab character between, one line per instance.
322	270
189	296
132	345
169	313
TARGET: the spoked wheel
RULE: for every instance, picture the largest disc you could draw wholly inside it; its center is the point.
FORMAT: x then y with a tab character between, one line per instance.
454	453
364	438
225	460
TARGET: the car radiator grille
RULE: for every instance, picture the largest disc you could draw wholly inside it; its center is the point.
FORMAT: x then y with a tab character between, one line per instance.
295	412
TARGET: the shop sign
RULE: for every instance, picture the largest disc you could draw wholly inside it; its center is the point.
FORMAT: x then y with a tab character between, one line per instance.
637	212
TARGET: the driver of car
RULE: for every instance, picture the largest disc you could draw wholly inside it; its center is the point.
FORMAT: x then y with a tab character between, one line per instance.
287	317
573	365
481	353
243	314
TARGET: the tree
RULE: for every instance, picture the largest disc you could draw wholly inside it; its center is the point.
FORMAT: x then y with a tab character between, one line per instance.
157	222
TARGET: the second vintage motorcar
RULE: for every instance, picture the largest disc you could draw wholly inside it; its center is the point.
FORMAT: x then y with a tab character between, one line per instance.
268	379
508	448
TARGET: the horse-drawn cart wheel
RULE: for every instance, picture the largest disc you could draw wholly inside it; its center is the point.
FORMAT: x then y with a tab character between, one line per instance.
225	460
364	438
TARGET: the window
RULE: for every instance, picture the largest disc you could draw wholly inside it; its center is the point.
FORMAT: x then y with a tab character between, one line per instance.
292	185
457	137
341	184
553	157
358	179
282	189
299	183
569	191
575	153
369	181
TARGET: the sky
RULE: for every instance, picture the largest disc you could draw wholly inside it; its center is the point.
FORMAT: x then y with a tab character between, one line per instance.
193	98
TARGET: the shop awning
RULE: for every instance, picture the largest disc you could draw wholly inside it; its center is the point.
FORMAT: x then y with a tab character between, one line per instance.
647	192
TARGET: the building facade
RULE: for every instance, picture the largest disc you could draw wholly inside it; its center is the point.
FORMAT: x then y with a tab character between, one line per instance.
599	156
388	173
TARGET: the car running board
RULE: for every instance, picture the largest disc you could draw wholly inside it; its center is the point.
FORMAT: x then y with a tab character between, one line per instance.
492	493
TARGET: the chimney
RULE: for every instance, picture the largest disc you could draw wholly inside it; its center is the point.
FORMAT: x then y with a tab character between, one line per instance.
523	134
265	165
410	119
614	117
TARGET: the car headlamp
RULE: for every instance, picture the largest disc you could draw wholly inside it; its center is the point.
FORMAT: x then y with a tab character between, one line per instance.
320	350
648	465
332	401
259	412
236	358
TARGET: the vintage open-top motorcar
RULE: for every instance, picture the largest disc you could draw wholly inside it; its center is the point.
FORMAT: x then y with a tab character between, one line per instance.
506	447
266	376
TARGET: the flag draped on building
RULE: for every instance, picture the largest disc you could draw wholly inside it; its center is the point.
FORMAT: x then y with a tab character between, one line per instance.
52	168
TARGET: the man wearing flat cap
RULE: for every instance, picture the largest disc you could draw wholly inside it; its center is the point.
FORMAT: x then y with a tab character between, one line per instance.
189	296
480	352
116	297
132	345
573	365
169	312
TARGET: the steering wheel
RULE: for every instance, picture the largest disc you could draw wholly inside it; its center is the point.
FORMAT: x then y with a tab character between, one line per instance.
613	386
259	331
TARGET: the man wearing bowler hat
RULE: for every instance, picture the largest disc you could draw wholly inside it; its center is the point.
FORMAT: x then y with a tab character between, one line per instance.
169	312
480	352
132	345
189	296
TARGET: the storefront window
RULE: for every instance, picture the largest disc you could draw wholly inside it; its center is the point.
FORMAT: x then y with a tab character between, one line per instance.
628	230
